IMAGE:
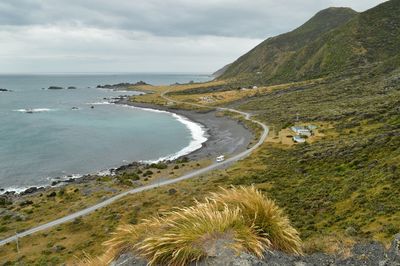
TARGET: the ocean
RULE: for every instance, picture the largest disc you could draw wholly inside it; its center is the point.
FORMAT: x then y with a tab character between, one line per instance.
52	134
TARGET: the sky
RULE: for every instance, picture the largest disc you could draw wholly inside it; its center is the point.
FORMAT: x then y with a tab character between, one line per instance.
173	36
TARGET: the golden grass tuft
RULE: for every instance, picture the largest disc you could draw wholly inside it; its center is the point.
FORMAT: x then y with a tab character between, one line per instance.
266	216
245	219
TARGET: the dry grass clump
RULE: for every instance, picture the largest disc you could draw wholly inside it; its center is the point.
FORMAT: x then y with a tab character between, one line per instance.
264	214
243	217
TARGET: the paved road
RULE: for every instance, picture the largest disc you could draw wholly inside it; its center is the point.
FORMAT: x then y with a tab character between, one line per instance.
198	172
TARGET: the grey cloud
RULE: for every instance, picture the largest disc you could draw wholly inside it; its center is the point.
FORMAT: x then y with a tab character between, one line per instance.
242	18
145	35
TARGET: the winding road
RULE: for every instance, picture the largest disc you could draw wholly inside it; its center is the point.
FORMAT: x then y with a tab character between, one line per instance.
198	172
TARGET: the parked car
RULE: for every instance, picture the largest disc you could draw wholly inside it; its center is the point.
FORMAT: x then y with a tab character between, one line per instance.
220	158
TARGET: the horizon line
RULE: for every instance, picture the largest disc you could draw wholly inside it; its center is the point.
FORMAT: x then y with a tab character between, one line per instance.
105	73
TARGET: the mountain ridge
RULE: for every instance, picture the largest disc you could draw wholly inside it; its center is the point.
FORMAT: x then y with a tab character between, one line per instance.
333	40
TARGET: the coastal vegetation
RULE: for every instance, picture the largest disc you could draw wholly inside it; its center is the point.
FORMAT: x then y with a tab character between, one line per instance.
244	218
339	189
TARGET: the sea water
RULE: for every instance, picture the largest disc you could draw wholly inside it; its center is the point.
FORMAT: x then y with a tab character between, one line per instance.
47	134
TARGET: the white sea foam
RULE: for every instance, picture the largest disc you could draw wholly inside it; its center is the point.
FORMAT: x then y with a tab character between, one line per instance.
106	172
18	190
34	110
198	133
99	103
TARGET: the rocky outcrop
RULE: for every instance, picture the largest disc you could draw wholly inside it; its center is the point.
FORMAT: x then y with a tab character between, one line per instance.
363	254
120	86
55	88
3	90
128	259
394	251
372	253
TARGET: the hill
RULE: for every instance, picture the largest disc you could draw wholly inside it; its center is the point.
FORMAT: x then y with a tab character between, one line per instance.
333	41
221	71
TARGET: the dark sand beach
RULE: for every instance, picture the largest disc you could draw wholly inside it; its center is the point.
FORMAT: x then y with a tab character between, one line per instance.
225	135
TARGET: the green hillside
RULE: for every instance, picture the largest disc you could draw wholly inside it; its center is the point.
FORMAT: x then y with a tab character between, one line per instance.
334	40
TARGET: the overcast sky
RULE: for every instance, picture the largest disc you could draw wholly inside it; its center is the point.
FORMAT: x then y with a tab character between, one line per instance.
143	35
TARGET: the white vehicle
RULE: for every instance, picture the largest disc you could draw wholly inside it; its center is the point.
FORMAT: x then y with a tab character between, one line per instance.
220	158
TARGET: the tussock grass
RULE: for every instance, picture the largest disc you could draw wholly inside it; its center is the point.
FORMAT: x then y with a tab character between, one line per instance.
242	217
264	214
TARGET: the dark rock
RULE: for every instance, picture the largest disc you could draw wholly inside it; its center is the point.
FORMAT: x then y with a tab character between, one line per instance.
4	200
26	203
74	108
371	253
128	259
52	194
57	248
121	85
172	191
394	251
4	90
71	88
54	183
350	231
55	88
29	191
278	258
141	83
133	165
316	259
220	253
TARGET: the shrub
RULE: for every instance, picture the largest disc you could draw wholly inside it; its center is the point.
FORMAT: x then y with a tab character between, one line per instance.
148	172
160	165
242	217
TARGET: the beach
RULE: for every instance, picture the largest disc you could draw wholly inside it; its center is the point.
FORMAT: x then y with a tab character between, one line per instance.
225	136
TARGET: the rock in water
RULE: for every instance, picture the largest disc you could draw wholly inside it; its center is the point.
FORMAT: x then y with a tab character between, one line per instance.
29	191
55	88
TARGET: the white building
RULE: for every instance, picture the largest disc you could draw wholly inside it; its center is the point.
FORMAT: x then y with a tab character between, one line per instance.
301	131
298	139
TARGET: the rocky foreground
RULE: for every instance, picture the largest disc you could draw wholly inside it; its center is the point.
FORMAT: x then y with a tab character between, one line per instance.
373	253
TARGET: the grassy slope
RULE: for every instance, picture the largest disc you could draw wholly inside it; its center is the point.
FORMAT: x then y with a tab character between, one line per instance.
350	178
359	40
275	55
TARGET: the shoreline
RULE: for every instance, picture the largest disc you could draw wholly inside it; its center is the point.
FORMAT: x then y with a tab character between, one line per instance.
198	132
225	135
222	135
